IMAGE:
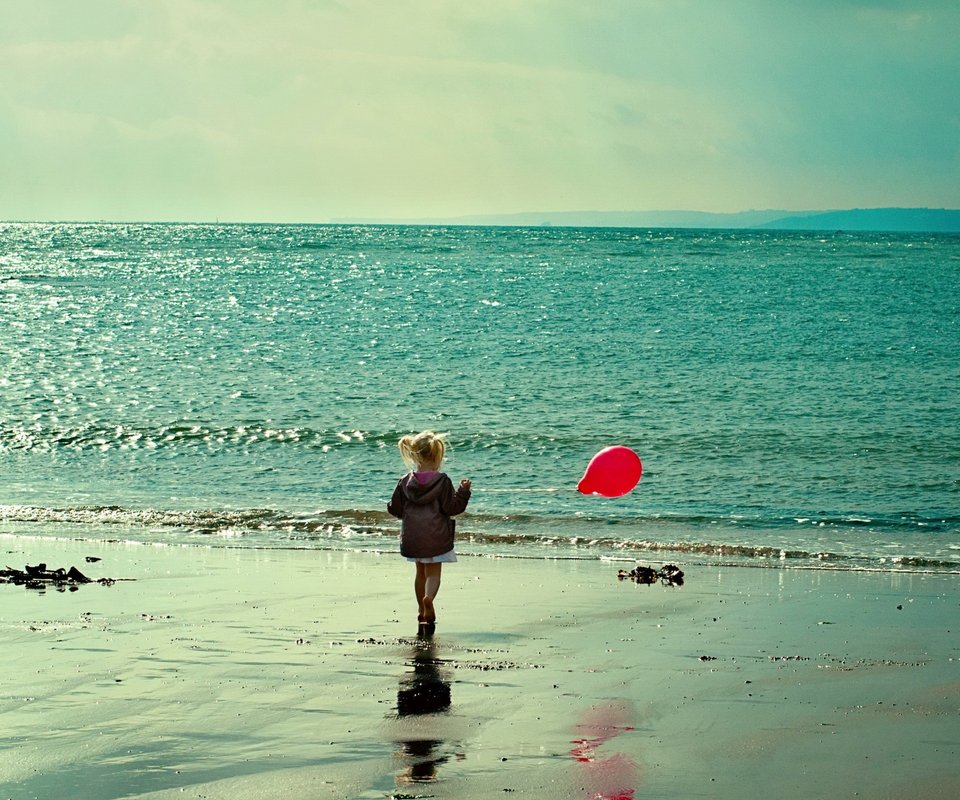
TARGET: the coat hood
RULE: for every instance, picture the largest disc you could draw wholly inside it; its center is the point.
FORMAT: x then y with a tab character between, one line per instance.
417	492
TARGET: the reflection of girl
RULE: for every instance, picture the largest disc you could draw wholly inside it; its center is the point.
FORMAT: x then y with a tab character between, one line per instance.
423	691
426	502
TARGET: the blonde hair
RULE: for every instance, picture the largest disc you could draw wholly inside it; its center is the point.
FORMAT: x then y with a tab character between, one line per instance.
423	449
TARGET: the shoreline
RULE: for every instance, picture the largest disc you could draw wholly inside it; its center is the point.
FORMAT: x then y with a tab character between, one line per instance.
242	673
698	557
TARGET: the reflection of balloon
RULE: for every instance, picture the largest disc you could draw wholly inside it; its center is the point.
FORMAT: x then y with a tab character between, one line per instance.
611	472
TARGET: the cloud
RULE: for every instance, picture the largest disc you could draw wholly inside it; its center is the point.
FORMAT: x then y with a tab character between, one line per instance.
319	109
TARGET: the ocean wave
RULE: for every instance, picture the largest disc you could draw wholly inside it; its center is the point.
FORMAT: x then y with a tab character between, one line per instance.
518	536
43	433
104	435
272	519
198	522
98	434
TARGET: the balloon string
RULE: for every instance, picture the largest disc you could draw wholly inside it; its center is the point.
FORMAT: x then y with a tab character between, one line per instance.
486	490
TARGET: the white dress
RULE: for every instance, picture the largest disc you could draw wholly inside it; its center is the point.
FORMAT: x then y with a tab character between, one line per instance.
446	558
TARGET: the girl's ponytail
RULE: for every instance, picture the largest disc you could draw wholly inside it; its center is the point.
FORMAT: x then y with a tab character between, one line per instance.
423	448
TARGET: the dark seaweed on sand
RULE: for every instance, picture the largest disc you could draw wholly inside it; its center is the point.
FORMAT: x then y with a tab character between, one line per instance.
39	577
668	575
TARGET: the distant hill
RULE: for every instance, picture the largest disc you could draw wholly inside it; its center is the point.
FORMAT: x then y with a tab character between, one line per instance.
628	219
600	219
936	220
928	220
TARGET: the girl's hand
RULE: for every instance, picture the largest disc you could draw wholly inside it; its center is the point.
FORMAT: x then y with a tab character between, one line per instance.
465	484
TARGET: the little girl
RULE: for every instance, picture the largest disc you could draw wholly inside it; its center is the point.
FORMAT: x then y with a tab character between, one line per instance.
426	502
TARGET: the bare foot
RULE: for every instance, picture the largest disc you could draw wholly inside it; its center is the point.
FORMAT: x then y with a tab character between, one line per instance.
429	615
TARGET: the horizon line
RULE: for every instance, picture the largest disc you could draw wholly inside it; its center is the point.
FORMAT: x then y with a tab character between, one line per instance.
474	219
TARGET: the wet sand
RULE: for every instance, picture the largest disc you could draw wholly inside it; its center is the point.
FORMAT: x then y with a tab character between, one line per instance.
280	674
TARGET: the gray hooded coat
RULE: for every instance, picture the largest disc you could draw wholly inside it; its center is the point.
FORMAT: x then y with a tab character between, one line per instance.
426	512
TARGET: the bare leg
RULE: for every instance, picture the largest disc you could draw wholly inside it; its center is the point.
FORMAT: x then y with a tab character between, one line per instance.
419	586
430	589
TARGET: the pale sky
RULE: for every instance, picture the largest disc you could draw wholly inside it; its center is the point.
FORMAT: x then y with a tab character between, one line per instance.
310	110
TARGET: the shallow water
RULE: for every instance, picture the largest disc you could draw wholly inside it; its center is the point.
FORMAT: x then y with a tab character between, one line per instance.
792	395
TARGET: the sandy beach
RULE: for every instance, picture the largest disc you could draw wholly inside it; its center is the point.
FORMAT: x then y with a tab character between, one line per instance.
215	673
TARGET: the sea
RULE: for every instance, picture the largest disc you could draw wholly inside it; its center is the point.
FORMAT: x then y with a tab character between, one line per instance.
794	396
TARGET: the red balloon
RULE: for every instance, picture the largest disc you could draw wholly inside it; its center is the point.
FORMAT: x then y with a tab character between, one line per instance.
612	472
